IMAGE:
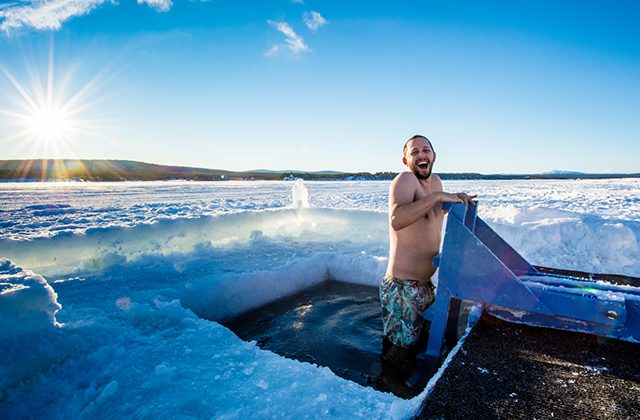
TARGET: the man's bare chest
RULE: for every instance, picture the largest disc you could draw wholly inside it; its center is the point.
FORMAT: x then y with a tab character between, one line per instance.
422	191
431	216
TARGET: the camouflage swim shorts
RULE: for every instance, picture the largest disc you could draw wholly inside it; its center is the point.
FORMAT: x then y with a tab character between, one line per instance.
403	302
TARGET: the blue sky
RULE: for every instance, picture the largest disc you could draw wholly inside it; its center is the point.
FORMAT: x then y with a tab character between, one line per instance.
499	87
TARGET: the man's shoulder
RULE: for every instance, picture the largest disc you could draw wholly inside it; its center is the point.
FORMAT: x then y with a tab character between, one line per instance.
405	183
404	180
405	176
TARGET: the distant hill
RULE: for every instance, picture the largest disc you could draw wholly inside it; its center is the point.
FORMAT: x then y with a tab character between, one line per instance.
561	172
295	171
101	170
127	170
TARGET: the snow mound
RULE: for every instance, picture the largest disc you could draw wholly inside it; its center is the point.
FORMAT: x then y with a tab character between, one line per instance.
27	302
564	239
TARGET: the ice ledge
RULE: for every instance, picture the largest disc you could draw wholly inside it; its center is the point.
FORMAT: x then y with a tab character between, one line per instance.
27	301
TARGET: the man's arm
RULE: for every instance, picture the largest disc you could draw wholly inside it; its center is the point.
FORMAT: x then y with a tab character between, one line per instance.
404	211
464	197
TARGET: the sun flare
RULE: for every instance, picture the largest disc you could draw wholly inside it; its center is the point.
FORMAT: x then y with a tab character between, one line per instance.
45	118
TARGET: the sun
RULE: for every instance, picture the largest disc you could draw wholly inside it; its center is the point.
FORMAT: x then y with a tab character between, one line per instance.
45	117
48	124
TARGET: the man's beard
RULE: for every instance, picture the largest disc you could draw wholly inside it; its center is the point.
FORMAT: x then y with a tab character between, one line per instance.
416	171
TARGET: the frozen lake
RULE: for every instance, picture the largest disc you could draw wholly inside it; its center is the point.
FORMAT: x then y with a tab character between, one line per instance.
577	224
129	269
45	209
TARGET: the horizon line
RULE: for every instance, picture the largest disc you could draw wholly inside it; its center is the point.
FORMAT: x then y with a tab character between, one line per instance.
321	171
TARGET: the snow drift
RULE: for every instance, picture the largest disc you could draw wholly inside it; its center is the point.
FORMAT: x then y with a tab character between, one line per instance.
27	302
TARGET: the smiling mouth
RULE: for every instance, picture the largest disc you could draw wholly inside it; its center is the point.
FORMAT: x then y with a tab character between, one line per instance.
423	165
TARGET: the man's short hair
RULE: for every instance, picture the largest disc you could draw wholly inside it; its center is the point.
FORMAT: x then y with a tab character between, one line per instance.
417	136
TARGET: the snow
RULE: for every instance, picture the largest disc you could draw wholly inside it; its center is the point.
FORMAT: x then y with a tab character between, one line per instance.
592	225
27	302
111	291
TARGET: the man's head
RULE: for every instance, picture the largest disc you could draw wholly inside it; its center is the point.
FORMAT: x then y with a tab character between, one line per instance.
419	156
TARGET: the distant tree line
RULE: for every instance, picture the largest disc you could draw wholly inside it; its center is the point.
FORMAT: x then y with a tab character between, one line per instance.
125	170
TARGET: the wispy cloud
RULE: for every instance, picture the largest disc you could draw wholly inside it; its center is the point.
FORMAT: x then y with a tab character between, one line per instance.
44	14
294	42
52	14
158	5
274	50
314	20
297	1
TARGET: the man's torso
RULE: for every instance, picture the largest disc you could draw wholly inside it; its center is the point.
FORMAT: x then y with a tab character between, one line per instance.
413	247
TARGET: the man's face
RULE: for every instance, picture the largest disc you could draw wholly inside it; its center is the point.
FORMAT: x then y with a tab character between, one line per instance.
419	158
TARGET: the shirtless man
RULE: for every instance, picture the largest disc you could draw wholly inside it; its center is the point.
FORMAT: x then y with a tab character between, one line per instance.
415	226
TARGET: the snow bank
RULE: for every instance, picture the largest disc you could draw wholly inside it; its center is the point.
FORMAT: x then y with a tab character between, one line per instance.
547	237
27	302
563	239
29	338
220	266
98	248
220	297
611	199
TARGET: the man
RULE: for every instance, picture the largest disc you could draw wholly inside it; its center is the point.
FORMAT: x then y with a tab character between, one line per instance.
415	230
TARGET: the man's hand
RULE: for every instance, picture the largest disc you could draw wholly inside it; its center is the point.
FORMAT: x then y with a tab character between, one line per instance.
457	197
467	199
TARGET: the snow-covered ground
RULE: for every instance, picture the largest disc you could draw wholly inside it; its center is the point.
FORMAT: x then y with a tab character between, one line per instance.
102	299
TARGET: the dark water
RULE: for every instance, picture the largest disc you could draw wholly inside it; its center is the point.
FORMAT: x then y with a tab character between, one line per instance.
334	324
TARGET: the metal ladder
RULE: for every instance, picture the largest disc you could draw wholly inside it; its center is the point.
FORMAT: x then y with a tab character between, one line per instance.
478	266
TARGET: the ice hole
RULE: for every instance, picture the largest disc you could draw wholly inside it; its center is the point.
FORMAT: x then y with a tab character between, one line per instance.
334	324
